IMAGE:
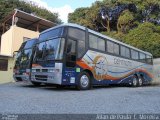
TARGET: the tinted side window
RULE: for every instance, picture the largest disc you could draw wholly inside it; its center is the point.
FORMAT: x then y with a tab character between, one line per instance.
76	33
29	43
142	57
112	47
134	55
50	34
93	41
96	43
101	44
149	59
125	52
116	49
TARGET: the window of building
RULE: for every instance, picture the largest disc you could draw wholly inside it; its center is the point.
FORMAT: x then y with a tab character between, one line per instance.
3	65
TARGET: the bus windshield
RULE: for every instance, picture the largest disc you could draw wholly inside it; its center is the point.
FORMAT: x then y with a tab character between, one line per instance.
50	50
25	58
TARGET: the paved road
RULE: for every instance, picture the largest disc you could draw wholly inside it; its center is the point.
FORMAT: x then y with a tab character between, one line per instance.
24	98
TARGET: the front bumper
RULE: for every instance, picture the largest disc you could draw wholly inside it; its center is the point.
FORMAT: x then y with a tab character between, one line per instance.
18	78
45	77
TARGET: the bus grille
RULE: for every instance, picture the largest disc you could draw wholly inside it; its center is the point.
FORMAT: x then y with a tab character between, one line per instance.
41	77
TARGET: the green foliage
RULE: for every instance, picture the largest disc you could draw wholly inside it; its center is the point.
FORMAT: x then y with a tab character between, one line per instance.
146	37
130	28
6	6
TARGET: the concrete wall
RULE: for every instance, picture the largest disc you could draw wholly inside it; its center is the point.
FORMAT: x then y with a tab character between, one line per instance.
7	76
10	42
6	42
13	38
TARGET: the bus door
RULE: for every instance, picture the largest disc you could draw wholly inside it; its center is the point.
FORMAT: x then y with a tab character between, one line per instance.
70	67
71	54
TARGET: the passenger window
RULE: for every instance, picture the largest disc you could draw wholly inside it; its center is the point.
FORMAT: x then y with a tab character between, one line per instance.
134	55
142	57
116	49
149	59
76	33
110	47
96	43
125	52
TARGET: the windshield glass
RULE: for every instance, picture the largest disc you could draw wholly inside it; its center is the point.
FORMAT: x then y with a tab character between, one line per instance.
25	57
51	34
50	50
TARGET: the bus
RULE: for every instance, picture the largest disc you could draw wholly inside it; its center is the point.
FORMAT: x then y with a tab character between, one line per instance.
23	61
73	55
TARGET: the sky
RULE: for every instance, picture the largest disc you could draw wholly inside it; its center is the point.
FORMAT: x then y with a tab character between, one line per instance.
62	7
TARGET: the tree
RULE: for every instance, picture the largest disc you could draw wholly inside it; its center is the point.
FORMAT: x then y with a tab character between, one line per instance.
6	6
146	37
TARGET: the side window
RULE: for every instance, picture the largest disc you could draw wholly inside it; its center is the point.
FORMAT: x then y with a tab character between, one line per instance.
142	57
149	59
96	43
112	47
134	55
125	52
116	49
81	48
93	41
76	33
101	44
79	36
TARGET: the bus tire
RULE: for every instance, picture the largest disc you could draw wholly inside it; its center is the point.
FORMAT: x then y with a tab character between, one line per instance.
84	81
140	81
134	81
36	83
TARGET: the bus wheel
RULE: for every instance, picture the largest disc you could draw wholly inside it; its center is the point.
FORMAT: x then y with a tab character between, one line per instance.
36	83
140	81
135	81
84	82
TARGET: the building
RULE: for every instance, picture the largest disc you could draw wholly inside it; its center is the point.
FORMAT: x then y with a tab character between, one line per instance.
17	27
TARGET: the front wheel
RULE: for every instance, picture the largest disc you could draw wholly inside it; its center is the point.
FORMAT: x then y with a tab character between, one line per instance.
84	81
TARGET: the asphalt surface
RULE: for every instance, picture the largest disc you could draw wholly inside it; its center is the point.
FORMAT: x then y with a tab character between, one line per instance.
18	98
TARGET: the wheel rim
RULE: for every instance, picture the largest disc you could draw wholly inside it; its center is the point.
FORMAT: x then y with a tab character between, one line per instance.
140	81
84	81
134	82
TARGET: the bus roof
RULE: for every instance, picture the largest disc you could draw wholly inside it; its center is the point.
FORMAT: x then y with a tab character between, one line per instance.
96	33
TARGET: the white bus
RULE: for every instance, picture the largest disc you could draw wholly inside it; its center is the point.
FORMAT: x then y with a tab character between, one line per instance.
74	55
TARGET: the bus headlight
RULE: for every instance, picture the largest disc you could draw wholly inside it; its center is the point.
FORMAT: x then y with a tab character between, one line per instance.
50	70
33	70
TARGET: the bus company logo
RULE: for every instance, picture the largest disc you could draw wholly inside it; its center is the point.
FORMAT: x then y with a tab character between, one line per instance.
99	68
